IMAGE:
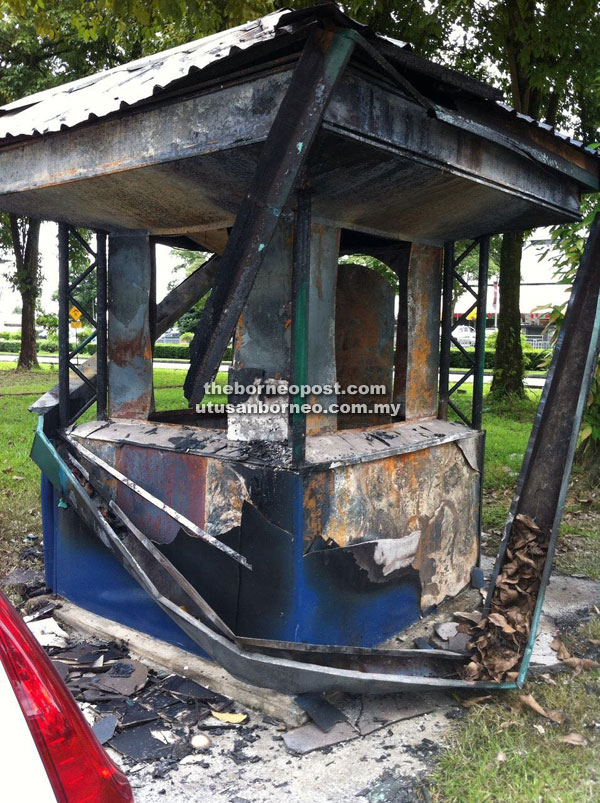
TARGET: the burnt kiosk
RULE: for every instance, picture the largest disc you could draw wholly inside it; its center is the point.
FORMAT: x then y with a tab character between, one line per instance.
288	543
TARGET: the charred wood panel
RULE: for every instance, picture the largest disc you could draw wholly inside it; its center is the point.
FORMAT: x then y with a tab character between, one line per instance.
364	341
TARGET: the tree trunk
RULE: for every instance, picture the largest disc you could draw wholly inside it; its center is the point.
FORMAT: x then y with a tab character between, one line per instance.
25	240
508	369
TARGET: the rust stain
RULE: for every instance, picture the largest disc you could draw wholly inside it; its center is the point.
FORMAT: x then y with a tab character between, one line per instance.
424	279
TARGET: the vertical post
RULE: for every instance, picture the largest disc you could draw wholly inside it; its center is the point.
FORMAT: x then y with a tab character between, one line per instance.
262	346
101	327
300	284
152	305
423	327
447	287
63	324
129	342
321	349
478	377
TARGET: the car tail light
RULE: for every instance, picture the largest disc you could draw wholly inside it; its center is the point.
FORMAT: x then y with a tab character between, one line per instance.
78	768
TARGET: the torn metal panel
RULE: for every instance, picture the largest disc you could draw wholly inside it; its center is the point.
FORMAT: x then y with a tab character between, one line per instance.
364	341
155	563
129	341
183	521
226	492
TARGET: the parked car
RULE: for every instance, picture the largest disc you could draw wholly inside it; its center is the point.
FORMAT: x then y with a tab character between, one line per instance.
48	752
465	335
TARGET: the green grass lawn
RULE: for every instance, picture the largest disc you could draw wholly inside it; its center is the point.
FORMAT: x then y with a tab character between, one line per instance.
503	752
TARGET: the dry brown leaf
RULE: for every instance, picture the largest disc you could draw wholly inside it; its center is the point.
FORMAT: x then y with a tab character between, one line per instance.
540	729
470	616
501	757
595	642
575	739
499	620
529	701
471	701
548	679
556	716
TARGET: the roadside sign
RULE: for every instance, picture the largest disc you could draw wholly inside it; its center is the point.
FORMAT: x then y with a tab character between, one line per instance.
76	324
75	313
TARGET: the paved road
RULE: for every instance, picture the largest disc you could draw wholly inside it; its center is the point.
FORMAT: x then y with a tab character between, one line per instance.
530	381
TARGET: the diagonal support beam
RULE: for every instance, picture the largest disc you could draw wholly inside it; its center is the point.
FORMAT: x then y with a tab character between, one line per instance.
284	154
543	484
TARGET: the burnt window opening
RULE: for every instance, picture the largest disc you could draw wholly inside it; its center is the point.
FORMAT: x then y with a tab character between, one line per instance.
170	403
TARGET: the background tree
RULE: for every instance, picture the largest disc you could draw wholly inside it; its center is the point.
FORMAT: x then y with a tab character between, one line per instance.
189	262
544	54
32	59
43	44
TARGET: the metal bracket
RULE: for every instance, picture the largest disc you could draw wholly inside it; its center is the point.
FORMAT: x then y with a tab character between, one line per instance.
66	298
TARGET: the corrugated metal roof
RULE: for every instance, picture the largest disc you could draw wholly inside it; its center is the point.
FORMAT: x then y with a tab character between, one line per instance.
105	92
576	143
99	95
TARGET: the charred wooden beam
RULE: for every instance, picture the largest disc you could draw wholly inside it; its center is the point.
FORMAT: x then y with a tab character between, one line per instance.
285	151
186	294
542	487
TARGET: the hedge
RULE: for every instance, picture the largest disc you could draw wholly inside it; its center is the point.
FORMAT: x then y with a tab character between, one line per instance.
534	359
181	351
43	347
170	351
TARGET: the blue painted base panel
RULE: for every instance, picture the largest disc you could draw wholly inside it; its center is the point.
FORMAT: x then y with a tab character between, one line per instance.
81	569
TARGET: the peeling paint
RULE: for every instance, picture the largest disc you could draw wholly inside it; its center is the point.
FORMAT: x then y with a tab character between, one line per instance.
226	492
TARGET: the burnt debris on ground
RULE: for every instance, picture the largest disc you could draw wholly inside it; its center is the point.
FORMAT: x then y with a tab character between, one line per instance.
151	716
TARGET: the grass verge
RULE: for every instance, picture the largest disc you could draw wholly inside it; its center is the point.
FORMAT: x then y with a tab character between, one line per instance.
503	751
